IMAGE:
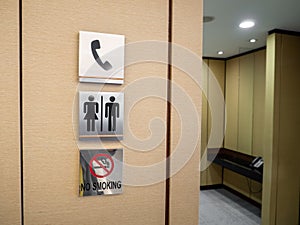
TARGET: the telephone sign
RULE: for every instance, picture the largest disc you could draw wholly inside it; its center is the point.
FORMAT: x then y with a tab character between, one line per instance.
101	57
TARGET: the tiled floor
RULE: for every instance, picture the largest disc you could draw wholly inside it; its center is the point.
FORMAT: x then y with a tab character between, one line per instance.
219	206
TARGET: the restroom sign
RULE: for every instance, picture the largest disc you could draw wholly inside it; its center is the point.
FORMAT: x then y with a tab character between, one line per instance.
101	57
101	172
101	115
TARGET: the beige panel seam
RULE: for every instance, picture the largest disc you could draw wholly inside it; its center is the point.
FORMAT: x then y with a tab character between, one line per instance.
238	107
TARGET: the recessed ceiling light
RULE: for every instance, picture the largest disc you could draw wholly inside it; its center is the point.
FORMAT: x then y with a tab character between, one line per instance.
246	24
220	52
252	40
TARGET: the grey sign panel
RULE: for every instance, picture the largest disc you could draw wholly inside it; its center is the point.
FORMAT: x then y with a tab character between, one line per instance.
101	115
101	172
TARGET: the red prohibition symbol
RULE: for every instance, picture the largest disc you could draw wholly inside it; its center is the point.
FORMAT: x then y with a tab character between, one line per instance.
103	161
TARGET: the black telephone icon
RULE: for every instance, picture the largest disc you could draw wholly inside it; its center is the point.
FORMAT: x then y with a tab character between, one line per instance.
96	45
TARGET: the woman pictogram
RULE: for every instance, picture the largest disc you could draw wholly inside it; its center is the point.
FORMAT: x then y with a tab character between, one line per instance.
91	108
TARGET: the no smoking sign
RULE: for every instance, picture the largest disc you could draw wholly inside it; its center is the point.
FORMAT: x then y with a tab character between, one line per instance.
101	165
101	172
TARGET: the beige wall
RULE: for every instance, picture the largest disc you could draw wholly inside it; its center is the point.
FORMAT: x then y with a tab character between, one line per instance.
216	68
281	177
245	88
242	80
186	32
232	106
262	99
50	81
51	154
10	203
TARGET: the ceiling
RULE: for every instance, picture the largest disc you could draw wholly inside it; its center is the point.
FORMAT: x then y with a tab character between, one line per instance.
223	33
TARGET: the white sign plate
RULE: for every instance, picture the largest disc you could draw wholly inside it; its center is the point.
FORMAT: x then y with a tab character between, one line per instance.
101	57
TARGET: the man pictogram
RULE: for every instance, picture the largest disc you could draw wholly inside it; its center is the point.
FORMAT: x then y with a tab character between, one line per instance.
112	112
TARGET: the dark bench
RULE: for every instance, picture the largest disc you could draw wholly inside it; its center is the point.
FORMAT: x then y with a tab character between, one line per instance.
235	161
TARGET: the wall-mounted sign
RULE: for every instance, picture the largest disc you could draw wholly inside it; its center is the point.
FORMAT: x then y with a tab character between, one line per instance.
101	172
101	115
101	57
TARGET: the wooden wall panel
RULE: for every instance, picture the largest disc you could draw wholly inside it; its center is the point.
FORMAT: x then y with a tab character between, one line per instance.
245	94
245	88
236	182
184	186
281	176
256	190
216	68
204	121
10	203
216	73
270	153
245	104
259	83
289	122
232	99
51	157
258	102
214	174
